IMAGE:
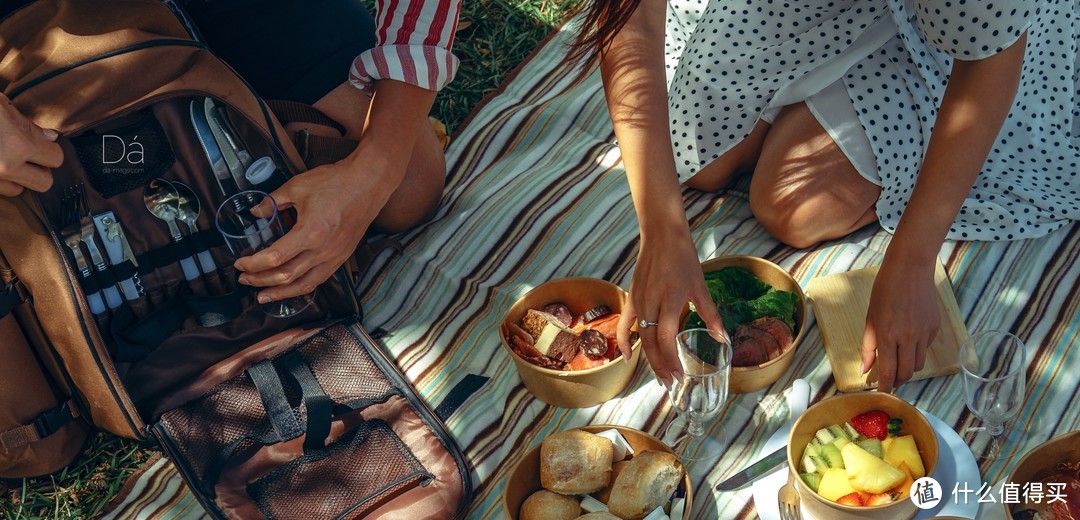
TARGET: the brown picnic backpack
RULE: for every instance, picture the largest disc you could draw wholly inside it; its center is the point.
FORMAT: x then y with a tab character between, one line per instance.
120	311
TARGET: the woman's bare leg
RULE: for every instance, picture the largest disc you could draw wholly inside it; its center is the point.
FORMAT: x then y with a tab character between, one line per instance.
718	174
804	189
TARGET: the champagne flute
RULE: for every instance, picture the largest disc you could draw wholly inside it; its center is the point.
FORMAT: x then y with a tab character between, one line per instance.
993	366
699	393
247	234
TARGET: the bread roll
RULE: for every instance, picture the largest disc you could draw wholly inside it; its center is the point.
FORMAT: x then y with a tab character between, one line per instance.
646	483
605	494
545	505
575	462
598	516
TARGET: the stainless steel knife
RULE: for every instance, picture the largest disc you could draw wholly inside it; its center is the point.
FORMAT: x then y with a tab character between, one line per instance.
211	149
226	143
797	401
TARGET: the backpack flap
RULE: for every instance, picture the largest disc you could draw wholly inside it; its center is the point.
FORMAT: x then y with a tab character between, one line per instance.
317	424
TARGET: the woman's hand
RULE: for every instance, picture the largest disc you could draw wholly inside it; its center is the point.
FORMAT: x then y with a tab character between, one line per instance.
902	321
667	275
26	152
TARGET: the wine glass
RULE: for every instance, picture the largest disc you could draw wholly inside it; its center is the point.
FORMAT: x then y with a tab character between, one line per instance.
699	393
993	367
247	234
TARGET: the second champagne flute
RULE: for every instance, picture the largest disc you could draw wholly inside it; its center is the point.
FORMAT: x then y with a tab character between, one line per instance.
247	234
992	363
700	392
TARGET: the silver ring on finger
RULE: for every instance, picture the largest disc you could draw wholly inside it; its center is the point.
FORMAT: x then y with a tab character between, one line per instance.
644	324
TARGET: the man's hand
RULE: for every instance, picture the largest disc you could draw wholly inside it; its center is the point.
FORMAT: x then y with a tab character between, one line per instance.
27	152
334	210
393	178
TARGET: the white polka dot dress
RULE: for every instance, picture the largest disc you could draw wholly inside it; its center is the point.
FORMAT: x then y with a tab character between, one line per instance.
732	63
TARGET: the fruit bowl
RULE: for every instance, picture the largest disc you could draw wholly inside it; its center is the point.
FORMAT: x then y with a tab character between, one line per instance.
524	478
572	388
746	379
876	475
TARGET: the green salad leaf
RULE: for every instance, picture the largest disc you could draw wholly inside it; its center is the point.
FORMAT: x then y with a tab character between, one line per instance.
741	297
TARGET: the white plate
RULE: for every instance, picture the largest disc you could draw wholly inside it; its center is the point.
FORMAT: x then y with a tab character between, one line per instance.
956	464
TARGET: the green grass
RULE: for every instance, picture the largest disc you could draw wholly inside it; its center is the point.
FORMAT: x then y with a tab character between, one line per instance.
493	37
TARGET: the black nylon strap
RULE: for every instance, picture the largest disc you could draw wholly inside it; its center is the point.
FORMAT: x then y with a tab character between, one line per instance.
463	390
272	393
176	251
319	405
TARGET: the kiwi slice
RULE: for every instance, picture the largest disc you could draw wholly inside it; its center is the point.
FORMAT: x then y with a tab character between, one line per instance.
812	480
812	461
853	434
831	455
872	446
824	436
839	432
839	443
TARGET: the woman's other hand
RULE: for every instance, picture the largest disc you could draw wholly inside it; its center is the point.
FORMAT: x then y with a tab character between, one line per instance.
901	322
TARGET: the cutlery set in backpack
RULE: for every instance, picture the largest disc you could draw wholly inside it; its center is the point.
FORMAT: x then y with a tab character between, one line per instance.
140	229
120	308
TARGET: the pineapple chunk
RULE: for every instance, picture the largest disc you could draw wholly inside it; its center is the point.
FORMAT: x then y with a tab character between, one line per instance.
834	484
903	489
903	449
867	472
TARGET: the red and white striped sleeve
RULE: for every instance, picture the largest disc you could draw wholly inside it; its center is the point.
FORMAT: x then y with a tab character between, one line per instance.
413	39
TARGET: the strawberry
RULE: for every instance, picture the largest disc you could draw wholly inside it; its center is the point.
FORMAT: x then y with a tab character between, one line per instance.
873	424
850	499
878	499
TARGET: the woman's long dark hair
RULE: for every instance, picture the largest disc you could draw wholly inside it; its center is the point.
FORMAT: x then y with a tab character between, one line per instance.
602	20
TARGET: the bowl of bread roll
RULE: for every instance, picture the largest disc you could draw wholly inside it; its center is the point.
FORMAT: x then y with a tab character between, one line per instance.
598	472
561	337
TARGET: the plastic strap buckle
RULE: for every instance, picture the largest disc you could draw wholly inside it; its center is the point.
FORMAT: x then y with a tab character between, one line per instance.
51	421
10	297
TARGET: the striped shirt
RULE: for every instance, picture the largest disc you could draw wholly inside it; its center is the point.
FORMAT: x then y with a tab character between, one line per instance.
412	44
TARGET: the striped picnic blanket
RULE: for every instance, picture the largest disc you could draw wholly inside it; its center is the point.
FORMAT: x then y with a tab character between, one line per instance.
536	192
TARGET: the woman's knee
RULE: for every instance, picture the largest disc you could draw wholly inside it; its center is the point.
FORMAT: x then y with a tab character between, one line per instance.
784	218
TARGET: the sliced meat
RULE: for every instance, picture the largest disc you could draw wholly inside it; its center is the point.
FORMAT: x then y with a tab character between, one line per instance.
594	345
565	346
560	312
779	330
751	346
596	313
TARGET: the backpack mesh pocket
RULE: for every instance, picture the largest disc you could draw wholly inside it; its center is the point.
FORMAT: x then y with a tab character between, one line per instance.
343	368
202	429
349	478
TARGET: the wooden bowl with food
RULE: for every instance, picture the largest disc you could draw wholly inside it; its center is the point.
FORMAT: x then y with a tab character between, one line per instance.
1056	463
561	337
856	456
578	472
764	311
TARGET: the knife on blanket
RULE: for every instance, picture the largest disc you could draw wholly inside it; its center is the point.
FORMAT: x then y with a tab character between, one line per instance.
797	401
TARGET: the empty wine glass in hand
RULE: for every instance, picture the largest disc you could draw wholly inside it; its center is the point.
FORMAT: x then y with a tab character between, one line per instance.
700	391
993	367
247	234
